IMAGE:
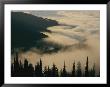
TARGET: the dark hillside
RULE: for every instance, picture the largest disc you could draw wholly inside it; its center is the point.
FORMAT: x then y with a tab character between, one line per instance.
26	29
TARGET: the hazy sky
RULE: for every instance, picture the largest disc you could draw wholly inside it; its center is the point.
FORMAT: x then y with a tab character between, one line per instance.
79	42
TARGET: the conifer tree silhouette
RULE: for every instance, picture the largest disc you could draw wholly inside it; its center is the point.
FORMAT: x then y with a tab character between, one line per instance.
86	68
79	72
37	69
49	72
45	71
26	72
73	70
54	71
64	72
30	70
20	69
40	68
16	65
26	69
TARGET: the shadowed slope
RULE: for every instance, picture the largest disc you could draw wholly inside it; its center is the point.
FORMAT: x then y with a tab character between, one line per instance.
26	29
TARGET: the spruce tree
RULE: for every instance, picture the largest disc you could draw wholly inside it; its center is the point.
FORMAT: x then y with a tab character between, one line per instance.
64	72
54	71
49	72
31	70
26	73
40	68
73	70
86	68
37	69
16	65
79	72
45	71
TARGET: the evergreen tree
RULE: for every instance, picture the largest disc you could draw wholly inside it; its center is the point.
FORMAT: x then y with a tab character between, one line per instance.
20	65
45	71
54	71
20	69
49	72
64	72
30	70
86	68
25	71
73	70
79	72
40	68
61	73
37	69
16	65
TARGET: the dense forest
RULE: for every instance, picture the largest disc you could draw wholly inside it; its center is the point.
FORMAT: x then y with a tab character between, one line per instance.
26	69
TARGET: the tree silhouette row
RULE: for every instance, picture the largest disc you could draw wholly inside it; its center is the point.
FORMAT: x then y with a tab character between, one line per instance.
26	69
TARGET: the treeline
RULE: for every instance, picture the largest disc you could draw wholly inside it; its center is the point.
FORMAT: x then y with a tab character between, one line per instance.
26	69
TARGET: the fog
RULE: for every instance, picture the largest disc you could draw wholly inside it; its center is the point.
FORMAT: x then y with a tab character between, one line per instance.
79	42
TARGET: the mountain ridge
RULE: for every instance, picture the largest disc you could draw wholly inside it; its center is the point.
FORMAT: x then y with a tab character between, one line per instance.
26	29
